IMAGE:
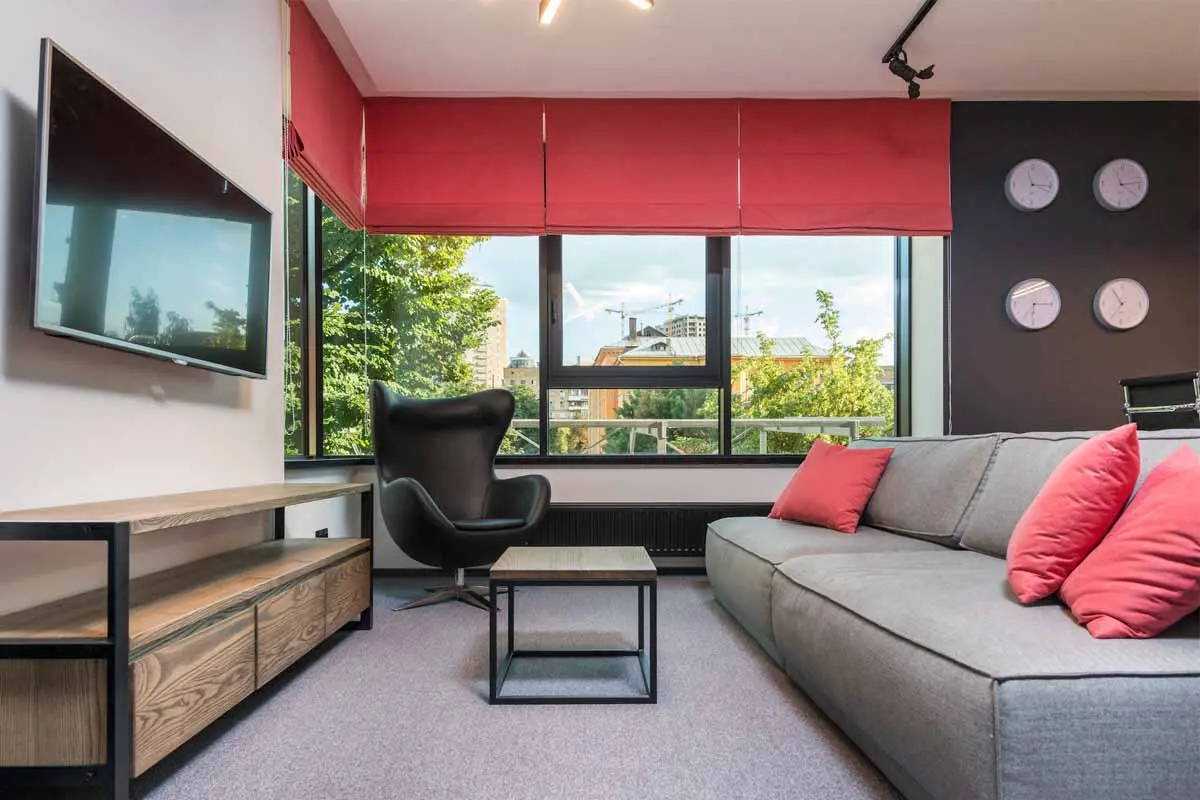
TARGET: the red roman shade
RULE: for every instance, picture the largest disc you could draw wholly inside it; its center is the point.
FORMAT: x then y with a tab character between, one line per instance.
845	167
324	136
642	166
455	166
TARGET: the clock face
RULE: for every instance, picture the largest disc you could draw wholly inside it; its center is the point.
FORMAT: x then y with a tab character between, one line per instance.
1121	184
1121	304
1033	304
1031	185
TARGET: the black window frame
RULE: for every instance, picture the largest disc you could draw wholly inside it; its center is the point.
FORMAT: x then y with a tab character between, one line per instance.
716	373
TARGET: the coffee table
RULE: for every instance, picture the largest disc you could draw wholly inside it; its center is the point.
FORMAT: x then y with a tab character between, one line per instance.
574	566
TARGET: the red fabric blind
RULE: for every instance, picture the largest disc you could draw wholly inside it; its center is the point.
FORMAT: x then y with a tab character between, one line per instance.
642	166
454	166
845	166
325	132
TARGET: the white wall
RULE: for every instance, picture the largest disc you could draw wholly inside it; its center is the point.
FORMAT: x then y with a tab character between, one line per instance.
79	422
928	335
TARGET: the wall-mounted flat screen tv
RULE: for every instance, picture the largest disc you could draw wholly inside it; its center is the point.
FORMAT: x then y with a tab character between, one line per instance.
140	243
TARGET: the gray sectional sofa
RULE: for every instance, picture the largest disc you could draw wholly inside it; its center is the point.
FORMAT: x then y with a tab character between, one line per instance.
906	635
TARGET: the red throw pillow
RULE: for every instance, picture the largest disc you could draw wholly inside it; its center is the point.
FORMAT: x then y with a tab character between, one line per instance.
1076	506
831	488
1145	576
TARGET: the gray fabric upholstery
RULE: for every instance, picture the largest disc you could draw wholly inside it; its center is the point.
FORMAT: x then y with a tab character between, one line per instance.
1020	465
740	554
928	655
1130	738
928	484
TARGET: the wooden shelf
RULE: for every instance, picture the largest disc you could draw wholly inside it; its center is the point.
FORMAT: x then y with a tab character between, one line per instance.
166	602
148	514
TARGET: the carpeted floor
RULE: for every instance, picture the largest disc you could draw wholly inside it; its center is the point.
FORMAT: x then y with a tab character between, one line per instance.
401	712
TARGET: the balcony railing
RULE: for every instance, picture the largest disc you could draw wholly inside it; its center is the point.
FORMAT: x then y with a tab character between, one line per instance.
660	430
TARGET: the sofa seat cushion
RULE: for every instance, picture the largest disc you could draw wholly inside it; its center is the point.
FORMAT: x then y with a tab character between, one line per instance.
959	605
740	555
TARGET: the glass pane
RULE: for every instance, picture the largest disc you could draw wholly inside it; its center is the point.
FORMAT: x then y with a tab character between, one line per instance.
432	316
633	300
813	330
293	379
597	422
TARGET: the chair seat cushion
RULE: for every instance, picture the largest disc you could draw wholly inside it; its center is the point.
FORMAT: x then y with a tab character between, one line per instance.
494	524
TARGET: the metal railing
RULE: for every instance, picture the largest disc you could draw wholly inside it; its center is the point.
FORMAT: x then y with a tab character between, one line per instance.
660	430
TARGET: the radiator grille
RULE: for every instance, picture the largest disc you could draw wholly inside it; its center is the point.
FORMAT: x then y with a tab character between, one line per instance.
663	529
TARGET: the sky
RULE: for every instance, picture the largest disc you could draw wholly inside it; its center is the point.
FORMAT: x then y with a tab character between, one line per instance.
187	260
777	275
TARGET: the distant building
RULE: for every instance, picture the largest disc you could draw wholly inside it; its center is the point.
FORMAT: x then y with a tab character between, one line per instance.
487	361
687	325
522	370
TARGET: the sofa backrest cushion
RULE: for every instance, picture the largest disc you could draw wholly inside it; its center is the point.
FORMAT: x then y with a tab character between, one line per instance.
1020	465
928	484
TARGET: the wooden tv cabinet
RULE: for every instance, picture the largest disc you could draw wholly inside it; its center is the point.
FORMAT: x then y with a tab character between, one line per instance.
97	688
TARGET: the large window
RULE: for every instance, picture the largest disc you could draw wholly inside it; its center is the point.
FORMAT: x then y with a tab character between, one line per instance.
615	347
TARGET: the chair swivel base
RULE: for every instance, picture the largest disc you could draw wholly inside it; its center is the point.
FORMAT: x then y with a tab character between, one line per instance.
463	594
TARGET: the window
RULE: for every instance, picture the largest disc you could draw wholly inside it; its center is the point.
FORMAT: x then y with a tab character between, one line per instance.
812	321
615	347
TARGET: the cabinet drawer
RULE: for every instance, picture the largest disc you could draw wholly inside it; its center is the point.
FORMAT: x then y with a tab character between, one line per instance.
347	591
289	625
185	684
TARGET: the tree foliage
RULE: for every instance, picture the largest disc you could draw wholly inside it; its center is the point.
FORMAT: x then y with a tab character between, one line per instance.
144	317
667	404
398	309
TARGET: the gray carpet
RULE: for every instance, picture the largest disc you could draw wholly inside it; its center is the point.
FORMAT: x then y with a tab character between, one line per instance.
401	712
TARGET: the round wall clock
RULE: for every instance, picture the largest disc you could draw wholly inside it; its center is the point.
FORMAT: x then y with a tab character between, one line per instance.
1031	185
1121	304
1033	304
1121	184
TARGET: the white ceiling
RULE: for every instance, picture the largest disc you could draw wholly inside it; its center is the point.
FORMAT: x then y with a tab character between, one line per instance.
767	48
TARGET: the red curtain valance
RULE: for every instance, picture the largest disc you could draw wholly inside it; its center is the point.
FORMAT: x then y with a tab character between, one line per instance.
455	166
845	166
642	166
324	132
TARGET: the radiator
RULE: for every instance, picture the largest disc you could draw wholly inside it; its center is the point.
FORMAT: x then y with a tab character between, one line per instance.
664	529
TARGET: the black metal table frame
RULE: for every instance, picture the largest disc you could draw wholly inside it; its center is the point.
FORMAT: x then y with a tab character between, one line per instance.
646	652
115	775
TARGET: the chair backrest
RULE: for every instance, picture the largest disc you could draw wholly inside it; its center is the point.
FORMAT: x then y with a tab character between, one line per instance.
448	446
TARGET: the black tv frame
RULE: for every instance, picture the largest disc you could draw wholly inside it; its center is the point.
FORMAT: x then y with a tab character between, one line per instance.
48	50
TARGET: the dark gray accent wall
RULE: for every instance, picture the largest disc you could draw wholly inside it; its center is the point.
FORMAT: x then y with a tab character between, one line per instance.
1065	377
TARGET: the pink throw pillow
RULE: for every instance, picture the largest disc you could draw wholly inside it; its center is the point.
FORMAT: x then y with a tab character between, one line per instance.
831	488
1145	576
1075	508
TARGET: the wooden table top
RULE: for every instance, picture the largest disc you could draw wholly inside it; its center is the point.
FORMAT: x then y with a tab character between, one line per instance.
574	563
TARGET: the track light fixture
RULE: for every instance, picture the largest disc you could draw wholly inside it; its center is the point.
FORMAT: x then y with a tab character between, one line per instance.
897	59
547	9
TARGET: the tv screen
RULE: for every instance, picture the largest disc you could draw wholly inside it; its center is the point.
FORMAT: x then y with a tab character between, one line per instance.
140	243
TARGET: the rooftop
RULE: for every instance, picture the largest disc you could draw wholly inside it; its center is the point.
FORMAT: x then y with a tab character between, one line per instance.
693	347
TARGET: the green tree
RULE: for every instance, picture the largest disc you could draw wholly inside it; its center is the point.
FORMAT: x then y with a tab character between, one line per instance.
229	327
398	309
144	317
526	408
844	383
178	327
666	404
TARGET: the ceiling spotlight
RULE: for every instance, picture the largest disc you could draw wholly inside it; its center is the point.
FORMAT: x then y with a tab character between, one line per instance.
644	5
898	65
546	11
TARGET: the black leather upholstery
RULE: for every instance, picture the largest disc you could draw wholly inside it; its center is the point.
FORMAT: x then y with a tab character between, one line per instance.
438	491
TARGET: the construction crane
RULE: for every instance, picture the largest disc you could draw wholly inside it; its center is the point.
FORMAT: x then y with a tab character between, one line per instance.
625	314
745	318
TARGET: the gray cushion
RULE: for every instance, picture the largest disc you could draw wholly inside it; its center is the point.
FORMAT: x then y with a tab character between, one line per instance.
1020	465
740	554
928	484
968	694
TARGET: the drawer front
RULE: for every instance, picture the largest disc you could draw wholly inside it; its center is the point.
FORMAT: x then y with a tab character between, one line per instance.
347	591
289	625
182	686
52	713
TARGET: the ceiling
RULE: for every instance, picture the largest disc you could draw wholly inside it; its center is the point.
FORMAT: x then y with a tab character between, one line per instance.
767	48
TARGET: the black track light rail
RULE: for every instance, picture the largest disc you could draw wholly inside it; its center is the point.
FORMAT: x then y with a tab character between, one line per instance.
898	46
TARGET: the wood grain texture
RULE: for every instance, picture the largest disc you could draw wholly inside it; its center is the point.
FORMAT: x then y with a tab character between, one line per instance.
181	687
169	601
574	563
148	514
289	625
347	591
52	713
